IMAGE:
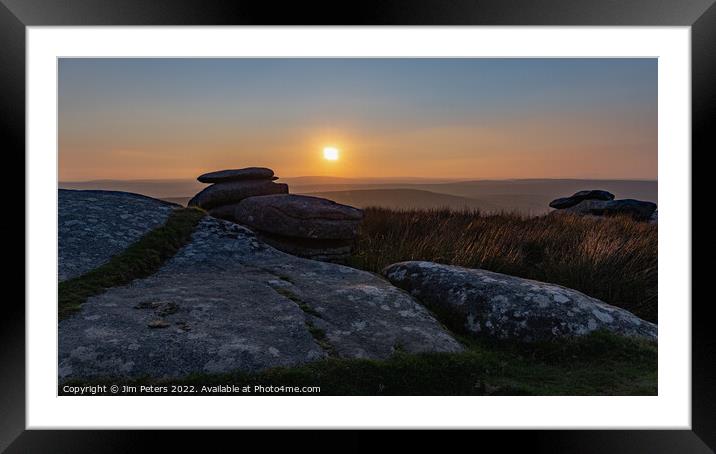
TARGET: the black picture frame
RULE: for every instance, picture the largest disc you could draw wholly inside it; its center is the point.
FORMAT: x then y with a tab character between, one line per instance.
16	15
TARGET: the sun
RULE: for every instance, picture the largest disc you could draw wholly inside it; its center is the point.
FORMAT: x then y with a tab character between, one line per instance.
330	153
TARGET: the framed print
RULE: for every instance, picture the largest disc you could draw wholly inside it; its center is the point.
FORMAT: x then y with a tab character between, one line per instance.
463	216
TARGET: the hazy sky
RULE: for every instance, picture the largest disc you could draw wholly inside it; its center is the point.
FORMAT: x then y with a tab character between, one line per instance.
461	118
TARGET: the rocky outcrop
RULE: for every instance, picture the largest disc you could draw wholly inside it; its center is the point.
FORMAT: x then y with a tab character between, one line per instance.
637	209
302	225
300	216
494	305
336	251
310	227
601	203
227	301
220	195
592	194
586	207
93	226
248	173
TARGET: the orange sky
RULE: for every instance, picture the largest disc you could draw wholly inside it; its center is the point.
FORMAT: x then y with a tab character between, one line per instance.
490	119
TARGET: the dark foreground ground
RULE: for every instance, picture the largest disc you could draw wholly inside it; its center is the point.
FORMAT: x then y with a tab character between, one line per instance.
611	259
599	364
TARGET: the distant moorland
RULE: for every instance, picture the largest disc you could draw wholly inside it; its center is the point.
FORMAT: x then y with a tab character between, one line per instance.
530	196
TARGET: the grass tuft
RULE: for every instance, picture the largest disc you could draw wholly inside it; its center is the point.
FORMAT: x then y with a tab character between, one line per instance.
597	364
139	260
613	259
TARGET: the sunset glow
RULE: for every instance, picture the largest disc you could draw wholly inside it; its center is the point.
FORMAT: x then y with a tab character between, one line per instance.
330	154
450	118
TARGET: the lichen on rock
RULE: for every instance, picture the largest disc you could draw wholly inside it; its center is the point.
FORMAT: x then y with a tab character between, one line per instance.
495	305
228	301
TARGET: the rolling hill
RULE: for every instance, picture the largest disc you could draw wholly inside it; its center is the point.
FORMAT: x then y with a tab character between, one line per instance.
403	198
529	196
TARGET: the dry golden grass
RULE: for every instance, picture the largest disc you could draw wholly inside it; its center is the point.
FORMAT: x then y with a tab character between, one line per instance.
613	259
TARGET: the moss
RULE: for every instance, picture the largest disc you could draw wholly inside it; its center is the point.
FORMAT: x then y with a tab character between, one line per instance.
285	278
308	309
139	260
318	334
321	339
598	364
288	293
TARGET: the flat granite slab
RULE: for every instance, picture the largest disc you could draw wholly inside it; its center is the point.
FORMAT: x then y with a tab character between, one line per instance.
96	225
228	301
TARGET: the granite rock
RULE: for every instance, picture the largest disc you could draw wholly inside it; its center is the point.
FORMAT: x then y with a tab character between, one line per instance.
93	226
248	173
231	192
637	209
590	194
300	216
228	301
493	305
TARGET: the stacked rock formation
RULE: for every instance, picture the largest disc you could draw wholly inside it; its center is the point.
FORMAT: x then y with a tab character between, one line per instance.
229	187
305	226
301	225
601	203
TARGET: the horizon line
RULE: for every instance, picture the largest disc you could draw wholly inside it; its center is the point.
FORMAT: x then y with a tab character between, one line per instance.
375	178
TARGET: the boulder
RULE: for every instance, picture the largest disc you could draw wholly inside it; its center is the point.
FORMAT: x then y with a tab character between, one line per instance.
228	302
337	251
225	212
299	216
248	173
591	194
230	192
586	207
494	305
638	209
93	226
